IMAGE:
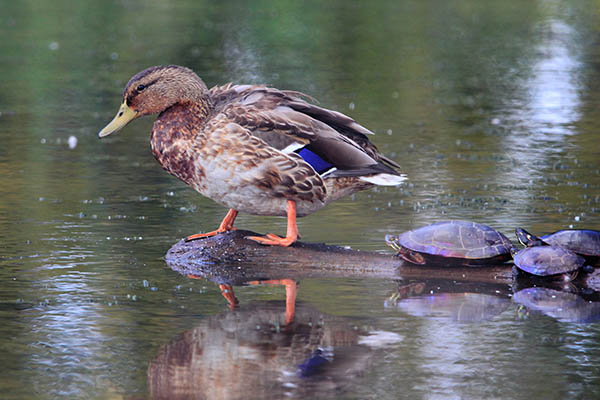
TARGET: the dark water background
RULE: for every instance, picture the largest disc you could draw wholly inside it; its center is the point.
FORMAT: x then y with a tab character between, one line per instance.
491	108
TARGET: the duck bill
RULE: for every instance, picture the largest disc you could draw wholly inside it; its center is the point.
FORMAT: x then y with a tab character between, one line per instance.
123	117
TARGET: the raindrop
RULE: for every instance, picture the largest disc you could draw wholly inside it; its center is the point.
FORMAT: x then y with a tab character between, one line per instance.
72	142
53	46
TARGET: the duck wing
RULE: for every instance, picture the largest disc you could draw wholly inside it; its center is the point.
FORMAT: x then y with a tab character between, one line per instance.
328	140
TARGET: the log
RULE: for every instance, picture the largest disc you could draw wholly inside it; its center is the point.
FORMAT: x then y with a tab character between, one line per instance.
232	259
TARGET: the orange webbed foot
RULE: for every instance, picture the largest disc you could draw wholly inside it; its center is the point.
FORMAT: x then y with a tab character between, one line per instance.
273	240
226	226
208	234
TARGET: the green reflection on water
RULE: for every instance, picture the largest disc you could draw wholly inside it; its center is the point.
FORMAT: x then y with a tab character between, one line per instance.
491	108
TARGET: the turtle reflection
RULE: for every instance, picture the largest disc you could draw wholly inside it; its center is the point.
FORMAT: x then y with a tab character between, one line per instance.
563	306
253	353
418	300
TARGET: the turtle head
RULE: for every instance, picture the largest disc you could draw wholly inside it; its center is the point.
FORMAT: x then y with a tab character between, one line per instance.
588	269
527	239
513	251
392	241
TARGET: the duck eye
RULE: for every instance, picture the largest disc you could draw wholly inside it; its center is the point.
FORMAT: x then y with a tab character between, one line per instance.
141	87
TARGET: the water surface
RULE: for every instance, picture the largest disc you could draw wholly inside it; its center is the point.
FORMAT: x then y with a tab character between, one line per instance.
491	108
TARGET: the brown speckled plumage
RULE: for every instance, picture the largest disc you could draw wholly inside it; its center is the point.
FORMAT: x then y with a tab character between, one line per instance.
235	143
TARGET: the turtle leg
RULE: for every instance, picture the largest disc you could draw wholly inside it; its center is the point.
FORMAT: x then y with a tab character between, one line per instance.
292	230
411	256
572	276
226	226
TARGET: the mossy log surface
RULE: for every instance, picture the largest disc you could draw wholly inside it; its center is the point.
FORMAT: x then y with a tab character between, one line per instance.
233	259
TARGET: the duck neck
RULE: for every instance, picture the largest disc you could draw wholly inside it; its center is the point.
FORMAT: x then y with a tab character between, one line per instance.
200	107
192	90
174	130
182	116
182	120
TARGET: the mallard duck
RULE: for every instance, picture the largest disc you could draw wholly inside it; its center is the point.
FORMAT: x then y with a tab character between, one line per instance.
253	148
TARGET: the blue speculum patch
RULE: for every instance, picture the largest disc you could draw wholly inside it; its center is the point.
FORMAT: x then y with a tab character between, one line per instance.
314	160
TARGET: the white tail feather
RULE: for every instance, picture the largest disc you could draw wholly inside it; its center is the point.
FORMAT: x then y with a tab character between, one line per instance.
384	179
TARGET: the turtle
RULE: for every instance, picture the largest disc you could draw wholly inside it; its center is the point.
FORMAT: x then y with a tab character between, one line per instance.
452	243
585	242
557	263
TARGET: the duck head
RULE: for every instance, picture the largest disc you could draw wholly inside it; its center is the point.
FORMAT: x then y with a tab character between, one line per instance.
155	89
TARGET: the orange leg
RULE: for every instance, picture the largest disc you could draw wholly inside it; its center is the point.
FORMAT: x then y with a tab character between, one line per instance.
290	295
226	226
226	291
290	300
292	230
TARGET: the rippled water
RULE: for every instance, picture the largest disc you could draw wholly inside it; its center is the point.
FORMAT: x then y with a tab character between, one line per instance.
491	108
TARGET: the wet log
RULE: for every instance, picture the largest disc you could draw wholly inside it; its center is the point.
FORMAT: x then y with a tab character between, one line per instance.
232	259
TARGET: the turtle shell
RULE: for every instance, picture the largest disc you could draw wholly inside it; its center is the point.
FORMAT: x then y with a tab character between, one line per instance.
454	242
582	241
547	260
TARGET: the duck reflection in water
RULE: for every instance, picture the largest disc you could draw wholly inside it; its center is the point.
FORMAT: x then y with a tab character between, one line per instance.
290	293
257	352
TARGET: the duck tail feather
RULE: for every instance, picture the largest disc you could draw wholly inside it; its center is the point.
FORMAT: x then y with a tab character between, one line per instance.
384	179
